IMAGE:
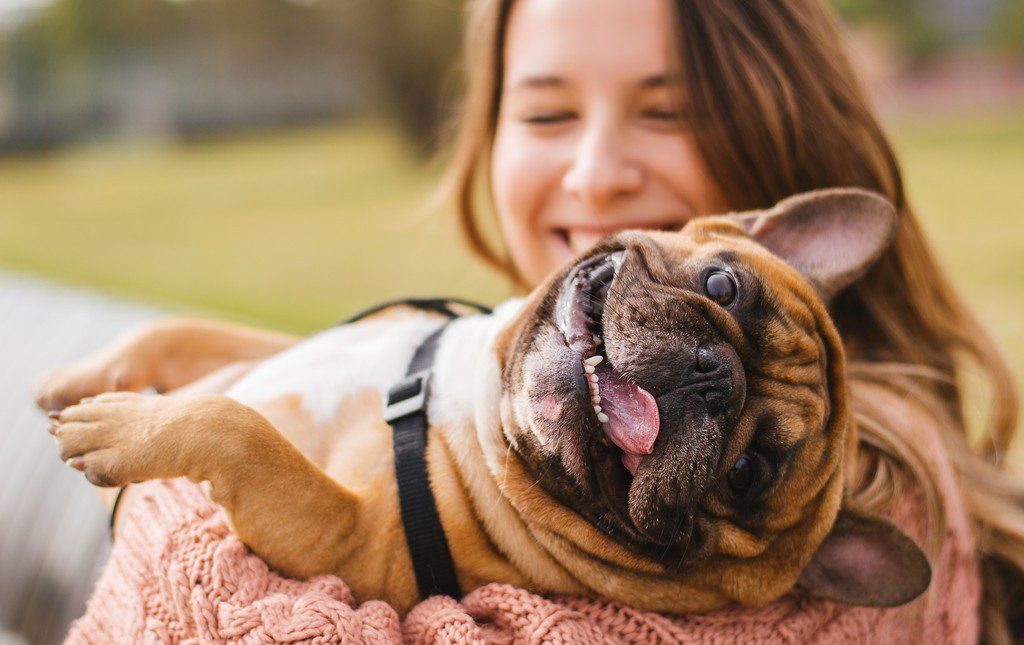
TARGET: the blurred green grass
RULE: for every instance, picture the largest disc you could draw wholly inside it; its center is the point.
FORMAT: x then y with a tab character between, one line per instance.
289	229
296	229
965	177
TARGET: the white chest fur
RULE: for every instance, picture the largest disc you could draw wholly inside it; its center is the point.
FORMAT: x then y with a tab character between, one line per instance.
321	371
337	362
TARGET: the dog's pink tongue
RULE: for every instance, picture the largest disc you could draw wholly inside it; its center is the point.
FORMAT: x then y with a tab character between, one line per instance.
632	416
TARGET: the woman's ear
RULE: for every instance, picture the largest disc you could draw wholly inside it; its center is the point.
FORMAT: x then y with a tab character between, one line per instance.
866	560
832	236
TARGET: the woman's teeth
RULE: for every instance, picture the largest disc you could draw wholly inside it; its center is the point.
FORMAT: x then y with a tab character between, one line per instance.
581	240
589	367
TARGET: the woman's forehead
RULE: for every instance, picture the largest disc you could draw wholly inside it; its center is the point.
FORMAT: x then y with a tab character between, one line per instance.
553	44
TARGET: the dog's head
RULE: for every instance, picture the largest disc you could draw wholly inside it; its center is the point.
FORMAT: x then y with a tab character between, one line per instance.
684	393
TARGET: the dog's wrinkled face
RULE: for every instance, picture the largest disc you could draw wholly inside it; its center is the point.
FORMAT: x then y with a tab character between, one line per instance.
668	382
684	392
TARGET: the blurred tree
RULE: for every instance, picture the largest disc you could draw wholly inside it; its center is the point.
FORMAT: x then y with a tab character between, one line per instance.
414	44
402	49
913	23
1008	27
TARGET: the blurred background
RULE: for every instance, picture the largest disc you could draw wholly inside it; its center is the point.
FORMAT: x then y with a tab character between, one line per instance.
270	162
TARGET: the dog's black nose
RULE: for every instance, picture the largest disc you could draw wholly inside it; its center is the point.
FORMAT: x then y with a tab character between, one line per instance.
713	375
707	360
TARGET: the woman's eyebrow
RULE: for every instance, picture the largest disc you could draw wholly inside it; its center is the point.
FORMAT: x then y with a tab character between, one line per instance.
543	81
535	82
660	80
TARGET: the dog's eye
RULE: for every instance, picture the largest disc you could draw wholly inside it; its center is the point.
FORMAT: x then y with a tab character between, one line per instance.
744	476
720	287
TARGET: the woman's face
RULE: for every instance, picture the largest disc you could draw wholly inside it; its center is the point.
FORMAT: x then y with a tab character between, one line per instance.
588	138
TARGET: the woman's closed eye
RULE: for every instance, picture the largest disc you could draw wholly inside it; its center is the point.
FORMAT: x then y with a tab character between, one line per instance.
548	118
663	118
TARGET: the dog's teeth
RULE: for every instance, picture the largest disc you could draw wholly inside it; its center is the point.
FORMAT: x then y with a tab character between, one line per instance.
596	399
597	409
597	339
593	378
589	369
594	360
602	417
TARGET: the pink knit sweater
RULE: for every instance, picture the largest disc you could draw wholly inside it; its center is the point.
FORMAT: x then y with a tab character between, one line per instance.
177	574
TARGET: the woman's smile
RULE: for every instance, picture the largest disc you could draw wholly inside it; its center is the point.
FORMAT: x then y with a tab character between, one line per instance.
574	238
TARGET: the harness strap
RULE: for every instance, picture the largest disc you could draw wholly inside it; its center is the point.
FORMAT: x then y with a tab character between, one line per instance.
437	305
406	412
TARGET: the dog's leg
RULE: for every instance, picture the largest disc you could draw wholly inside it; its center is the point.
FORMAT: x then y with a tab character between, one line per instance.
274	497
216	382
164	355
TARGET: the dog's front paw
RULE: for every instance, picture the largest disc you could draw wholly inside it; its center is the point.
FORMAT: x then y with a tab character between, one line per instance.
121	437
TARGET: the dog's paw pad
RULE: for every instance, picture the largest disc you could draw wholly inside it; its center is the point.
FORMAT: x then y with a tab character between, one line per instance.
102	479
100	472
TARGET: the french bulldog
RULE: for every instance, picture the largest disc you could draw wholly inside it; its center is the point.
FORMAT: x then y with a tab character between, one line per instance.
664	423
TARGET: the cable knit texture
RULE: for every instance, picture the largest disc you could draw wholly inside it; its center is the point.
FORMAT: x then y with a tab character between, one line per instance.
176	574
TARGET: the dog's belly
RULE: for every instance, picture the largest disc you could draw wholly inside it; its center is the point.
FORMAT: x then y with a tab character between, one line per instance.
325	395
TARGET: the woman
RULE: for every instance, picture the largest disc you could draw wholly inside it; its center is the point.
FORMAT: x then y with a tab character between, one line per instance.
589	116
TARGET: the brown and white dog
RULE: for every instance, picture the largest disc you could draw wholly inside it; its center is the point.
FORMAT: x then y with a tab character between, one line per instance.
663	422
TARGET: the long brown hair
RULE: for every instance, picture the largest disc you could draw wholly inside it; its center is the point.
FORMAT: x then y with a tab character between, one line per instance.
776	109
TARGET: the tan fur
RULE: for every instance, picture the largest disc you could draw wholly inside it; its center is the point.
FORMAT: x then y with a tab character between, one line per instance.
164	355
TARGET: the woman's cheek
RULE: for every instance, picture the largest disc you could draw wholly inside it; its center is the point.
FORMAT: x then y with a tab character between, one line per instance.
526	179
675	161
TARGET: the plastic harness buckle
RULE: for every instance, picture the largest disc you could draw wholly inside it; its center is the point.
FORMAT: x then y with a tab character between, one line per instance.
408	396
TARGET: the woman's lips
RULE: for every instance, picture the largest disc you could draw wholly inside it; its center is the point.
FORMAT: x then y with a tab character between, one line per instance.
577	239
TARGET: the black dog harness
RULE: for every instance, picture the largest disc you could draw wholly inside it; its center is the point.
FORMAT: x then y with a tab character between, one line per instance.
406	412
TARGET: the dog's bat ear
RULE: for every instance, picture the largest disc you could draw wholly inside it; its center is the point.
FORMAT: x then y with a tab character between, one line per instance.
832	236
867	561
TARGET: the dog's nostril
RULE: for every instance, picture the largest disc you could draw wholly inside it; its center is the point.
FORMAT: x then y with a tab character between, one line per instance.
707	360
717	398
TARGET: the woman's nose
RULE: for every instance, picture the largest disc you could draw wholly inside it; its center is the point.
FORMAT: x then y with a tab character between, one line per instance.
601	172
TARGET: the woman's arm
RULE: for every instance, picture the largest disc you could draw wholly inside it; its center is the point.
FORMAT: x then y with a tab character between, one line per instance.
164	355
